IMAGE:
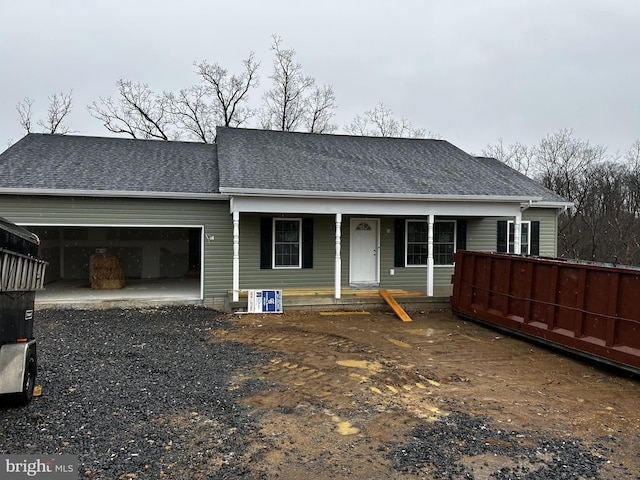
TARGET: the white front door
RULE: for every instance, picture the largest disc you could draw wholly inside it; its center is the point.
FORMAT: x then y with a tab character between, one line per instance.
364	251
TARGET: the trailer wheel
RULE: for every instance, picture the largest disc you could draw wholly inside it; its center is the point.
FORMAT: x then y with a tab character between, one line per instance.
29	380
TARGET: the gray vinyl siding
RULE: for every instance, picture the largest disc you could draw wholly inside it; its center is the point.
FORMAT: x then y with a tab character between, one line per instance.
548	229
481	233
321	275
414	278
86	211
214	216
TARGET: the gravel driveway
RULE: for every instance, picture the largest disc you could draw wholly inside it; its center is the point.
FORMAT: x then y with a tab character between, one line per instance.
190	393
131	392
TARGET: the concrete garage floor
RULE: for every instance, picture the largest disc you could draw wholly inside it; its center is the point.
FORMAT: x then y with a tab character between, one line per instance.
137	292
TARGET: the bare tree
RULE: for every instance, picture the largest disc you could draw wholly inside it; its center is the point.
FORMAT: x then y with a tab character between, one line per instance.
518	156
561	160
137	112
321	106
564	164
380	122
631	205
24	112
294	102
218	99
59	108
191	112
230	92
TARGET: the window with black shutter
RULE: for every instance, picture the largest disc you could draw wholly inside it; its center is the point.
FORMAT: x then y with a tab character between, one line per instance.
286	243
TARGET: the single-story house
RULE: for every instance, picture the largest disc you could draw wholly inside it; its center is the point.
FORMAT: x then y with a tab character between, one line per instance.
267	209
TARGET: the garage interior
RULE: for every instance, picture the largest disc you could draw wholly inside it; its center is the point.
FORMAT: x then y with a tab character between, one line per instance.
156	262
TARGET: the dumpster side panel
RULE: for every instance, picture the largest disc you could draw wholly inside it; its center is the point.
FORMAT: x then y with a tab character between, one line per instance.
587	308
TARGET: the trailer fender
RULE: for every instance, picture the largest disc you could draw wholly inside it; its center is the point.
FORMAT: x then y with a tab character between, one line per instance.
13	364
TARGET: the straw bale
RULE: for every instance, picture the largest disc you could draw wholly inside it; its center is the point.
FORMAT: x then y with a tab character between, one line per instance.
106	272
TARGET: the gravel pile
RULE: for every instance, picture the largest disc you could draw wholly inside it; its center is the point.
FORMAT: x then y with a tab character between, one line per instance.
136	394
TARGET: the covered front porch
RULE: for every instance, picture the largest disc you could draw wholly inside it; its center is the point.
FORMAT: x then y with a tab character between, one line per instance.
346	249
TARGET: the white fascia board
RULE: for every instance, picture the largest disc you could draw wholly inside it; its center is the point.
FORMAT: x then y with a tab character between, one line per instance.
558	205
378	207
107	225
304	194
57	192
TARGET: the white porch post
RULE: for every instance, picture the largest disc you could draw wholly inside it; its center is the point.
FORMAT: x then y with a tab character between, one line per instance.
430	256
338	266
236	256
517	230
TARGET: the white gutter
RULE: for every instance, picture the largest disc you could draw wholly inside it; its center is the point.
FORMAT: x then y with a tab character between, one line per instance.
371	196
59	192
562	205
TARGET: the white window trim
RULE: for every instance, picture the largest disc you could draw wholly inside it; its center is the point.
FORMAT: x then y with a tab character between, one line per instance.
528	243
455	243
273	244
406	242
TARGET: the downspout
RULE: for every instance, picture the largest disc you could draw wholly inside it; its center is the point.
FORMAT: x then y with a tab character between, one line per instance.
526	206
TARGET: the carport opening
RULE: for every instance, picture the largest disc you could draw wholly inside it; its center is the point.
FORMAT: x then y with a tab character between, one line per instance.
148	254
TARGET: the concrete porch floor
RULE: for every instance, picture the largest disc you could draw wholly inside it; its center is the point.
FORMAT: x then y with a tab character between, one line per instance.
352	299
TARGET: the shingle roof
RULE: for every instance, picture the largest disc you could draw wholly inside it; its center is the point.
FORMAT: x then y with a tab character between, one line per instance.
286	161
68	162
265	160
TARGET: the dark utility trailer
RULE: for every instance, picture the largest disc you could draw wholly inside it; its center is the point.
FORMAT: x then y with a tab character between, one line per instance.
587	308
21	275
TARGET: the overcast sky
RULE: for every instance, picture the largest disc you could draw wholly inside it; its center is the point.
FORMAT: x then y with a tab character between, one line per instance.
472	71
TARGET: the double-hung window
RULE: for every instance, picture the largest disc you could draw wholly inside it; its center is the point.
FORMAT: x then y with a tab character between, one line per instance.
417	237
444	241
287	236
286	243
525	237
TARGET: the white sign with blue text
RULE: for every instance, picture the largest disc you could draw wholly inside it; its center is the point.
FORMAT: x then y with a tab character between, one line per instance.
265	301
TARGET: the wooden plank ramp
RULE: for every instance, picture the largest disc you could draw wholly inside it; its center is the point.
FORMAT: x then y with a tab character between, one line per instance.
395	306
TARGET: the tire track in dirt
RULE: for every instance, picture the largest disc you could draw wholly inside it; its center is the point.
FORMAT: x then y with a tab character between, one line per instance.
341	374
344	391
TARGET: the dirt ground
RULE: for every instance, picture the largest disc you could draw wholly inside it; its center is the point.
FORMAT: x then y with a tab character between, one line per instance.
348	388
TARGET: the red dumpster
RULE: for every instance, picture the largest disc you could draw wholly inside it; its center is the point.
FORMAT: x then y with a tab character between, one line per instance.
588	308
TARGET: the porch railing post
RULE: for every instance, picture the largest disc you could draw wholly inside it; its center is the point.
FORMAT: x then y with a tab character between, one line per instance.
517	230
236	256
430	256
338	266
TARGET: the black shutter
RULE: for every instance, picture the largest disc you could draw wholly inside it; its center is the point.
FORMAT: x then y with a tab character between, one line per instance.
307	243
399	248
266	234
535	237
461	235
502	236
